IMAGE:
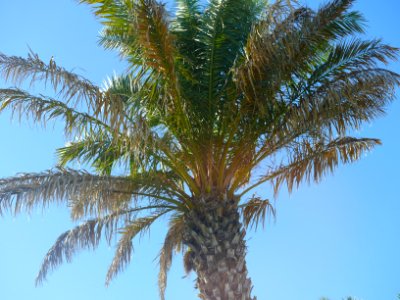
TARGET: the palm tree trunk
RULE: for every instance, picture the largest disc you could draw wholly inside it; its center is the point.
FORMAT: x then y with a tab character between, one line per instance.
215	238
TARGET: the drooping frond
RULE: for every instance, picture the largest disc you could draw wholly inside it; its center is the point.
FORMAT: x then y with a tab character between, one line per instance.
87	236
69	85
114	107
125	247
255	210
173	242
43	109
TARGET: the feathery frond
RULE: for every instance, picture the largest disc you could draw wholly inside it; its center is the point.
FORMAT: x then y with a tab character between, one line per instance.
43	109
68	84
125	248
309	161
173	241
30	190
255	210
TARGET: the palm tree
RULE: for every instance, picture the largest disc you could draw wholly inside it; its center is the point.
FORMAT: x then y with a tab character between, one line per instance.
211	94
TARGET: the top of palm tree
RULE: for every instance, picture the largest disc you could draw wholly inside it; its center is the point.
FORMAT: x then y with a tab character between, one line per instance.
212	92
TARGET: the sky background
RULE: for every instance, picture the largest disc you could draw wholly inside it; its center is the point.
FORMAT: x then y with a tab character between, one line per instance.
335	239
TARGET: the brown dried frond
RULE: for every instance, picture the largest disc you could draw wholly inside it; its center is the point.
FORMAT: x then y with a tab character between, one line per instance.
173	241
188	262
255	210
312	161
155	39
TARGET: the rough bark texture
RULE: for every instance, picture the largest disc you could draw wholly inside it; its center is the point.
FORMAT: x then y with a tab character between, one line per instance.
215	237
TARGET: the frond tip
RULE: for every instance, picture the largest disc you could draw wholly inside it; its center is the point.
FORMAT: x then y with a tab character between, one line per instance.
85	236
173	241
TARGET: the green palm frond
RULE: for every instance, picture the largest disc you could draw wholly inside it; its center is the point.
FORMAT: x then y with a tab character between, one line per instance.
255	210
100	151
125	248
173	241
140	30
186	28
224	29
352	55
279	51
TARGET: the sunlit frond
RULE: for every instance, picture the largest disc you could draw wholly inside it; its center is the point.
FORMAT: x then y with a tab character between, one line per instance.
173	241
42	109
310	161
32	190
278	51
69	85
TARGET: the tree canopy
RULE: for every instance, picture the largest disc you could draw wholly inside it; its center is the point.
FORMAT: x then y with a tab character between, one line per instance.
212	92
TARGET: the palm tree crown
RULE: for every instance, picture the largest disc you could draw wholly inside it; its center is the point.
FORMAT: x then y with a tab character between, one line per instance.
212	92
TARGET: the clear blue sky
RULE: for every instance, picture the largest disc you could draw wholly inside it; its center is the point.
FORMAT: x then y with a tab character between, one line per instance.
338	238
